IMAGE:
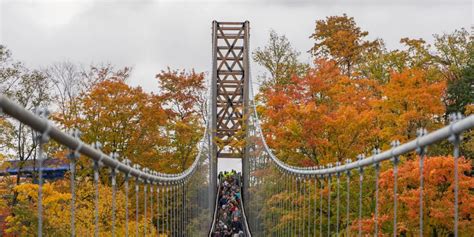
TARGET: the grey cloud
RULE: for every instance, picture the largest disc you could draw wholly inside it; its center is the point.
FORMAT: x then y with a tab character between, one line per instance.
150	35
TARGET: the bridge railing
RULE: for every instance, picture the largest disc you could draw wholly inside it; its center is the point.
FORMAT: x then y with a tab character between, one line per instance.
289	203
171	204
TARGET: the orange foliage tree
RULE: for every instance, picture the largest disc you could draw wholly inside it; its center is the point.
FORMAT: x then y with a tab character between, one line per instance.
438	202
340	39
124	119
183	96
409	100
322	117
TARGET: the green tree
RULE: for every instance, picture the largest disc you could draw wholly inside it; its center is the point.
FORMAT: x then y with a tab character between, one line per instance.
460	92
454	52
30	89
280	59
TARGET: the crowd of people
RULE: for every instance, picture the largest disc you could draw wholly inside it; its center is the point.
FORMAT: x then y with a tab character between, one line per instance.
229	213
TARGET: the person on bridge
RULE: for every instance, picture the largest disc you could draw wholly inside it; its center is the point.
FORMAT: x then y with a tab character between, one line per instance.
229	216
236	227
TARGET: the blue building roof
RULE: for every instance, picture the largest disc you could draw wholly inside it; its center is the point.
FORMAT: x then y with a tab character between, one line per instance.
52	168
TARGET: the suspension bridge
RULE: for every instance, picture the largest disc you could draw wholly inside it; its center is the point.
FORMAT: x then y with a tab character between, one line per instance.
189	199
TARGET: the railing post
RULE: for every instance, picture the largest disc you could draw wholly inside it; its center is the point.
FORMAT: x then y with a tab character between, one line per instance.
183	222
173	213
183	209
421	152
293	206
97	164
42	139
113	172
456	140
395	159
152	190
338	176
281	204
308	222
321	187
145	190
329	201
175	209
361	179
127	176
348	177
315	197
165	209
375	152
158	209
288	203
303	206
137	189
73	156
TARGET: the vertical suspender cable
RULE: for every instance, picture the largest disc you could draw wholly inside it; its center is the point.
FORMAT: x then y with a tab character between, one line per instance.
395	160
348	177
329	205
456	140
421	152
338	175
377	173
361	179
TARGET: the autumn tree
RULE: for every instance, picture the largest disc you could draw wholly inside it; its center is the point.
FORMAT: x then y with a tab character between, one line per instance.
340	39
456	57
70	82
184	100
438	200
322	117
410	101
280	59
30	89
124	119
56	211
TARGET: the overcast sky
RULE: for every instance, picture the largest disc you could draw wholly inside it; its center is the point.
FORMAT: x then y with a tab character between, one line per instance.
151	35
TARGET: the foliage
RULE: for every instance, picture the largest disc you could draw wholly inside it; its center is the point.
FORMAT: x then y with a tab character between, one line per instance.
358	95
459	91
438	196
124	119
340	39
316	110
70	82
454	52
280	59
30	89
57	212
24	220
184	100
409	101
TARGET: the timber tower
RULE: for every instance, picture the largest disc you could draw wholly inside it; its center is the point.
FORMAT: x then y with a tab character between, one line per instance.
229	93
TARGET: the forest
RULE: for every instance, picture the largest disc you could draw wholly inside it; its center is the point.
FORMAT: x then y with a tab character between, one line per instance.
355	96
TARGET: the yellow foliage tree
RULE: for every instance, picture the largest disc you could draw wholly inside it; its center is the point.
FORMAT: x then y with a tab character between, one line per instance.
57	211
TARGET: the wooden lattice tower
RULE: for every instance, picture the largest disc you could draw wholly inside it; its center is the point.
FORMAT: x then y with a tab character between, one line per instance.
230	87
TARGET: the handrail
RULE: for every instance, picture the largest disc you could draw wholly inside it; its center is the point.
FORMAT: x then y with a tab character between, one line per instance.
453	129
44	126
